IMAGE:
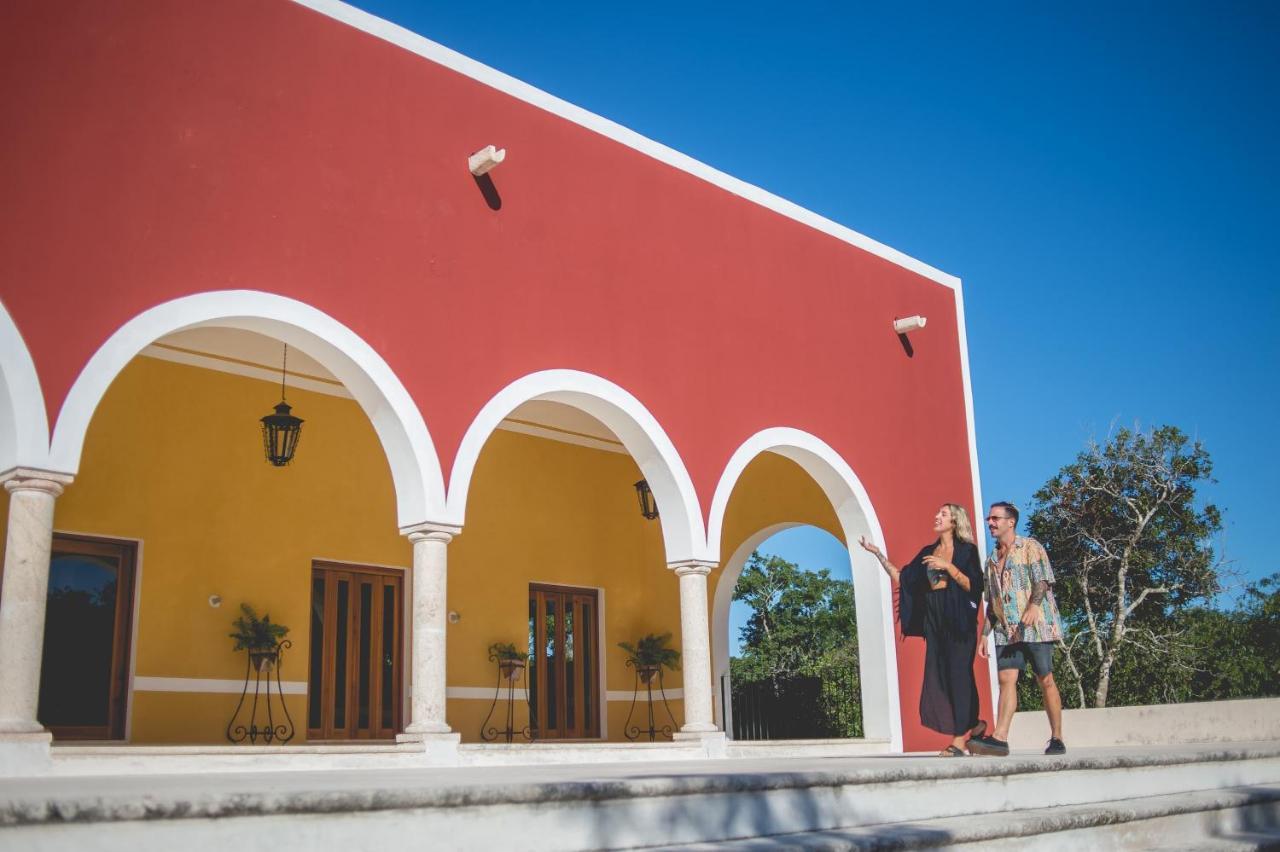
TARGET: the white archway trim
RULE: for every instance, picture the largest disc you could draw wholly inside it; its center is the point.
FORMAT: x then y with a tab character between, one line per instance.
873	593
637	429
415	468
24	423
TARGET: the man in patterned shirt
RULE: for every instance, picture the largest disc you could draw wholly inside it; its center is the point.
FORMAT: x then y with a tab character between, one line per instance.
1023	614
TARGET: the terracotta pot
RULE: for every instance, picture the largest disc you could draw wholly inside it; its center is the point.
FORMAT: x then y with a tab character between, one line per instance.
263	661
648	673
510	669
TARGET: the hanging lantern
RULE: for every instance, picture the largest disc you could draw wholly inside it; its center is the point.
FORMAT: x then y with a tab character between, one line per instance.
280	431
648	506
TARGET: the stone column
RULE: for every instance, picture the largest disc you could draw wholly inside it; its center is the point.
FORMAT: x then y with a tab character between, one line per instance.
695	652
22	597
430	609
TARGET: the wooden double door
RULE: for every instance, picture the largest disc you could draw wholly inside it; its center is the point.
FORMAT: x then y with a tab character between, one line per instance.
354	680
564	666
88	620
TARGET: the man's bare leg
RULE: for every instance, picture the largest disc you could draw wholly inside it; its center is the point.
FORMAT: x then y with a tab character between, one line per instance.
1008	704
1052	704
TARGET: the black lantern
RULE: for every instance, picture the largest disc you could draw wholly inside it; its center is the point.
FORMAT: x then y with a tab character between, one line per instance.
648	506
280	431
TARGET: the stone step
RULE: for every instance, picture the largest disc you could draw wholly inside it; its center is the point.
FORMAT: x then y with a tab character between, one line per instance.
1231	819
620	806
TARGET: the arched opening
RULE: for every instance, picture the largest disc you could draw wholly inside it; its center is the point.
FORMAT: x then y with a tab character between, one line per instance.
781	478
793	641
558	560
176	518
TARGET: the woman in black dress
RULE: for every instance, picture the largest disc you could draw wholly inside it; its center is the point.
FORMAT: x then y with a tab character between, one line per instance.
938	595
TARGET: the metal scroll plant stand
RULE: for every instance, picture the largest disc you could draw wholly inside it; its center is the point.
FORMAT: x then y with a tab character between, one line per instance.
262	664
510	671
646	674
264	644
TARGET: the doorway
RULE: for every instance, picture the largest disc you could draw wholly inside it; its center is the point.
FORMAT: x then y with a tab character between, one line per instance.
354	679
88	616
564	673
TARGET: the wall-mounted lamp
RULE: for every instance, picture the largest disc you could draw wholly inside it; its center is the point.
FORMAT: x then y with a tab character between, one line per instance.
648	506
907	324
280	431
485	159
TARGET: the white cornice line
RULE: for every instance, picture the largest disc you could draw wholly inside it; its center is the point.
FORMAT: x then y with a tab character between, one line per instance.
509	85
209	362
562	436
190	358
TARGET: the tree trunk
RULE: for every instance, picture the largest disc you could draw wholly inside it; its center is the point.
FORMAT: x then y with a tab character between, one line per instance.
1071	663
1104	678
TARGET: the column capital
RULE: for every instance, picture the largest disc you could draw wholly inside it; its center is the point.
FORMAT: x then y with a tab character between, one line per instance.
32	479
429	531
692	566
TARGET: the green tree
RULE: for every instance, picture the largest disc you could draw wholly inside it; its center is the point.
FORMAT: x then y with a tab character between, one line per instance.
801	624
1131	548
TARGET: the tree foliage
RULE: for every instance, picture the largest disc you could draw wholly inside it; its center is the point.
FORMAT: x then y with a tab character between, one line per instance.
1131	548
1219	655
801	625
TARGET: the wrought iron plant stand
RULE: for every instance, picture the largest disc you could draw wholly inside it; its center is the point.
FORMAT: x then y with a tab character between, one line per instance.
509	673
646	675
260	664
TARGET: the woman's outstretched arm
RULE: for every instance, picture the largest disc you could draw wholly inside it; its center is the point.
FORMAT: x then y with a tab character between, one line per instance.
874	550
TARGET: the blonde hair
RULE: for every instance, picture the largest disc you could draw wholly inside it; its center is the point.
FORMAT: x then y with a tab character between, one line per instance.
960	519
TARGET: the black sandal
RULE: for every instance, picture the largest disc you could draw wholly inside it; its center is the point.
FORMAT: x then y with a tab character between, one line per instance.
952	751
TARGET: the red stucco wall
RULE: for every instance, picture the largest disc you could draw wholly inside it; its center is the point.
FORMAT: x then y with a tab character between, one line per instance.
159	149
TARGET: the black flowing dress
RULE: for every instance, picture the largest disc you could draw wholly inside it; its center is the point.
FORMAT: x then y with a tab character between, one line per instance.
947	618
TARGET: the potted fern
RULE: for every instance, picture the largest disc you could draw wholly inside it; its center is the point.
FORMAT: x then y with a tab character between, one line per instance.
259	636
510	661
651	654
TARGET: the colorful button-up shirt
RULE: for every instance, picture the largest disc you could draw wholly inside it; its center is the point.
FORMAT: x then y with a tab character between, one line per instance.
1010	588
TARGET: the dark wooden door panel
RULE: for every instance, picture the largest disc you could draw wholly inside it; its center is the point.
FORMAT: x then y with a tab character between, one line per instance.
354	676
564	671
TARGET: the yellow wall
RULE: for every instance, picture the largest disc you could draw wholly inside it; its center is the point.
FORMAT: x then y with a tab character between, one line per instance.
772	490
173	459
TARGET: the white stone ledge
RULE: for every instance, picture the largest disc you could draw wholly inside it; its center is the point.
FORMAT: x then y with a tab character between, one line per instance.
1244	720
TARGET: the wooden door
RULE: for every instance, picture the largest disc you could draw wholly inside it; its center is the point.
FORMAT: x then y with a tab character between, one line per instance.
89	612
354	680
564	677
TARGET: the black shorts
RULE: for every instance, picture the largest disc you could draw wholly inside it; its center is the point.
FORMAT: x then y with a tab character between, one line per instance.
1015	657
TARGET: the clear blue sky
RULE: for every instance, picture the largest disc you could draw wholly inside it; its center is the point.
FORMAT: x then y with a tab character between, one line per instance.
1104	178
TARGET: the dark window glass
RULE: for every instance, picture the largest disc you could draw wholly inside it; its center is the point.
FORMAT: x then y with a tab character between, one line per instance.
315	692
79	637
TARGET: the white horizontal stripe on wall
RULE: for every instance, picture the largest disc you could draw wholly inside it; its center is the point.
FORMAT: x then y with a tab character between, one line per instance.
299	687
486	693
641	695
204	684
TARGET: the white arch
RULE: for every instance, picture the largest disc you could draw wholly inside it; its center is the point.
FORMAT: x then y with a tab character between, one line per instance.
873	594
24	423
415	468
636	428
